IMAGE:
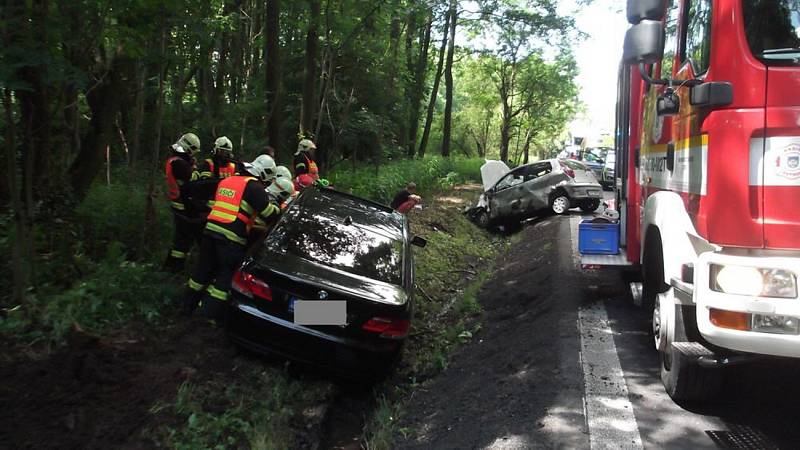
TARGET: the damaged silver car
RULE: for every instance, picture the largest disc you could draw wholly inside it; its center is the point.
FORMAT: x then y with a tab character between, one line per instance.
513	195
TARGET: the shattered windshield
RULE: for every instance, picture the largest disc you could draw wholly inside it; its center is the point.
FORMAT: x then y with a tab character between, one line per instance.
773	30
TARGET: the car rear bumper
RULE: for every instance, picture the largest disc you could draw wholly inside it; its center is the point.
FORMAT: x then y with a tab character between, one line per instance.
266	334
584	191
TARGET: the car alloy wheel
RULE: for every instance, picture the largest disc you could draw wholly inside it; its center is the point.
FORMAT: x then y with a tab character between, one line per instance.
560	204
483	219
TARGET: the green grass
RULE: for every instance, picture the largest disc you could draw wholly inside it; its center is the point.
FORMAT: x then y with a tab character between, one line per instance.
431	174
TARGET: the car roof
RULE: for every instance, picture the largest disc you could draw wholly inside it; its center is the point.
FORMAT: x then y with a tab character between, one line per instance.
341	206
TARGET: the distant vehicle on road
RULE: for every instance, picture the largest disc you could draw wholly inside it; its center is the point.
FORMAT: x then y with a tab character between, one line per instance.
521	193
595	159
333	286
609	169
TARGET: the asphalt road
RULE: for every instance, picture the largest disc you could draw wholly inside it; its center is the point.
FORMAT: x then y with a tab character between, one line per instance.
575	368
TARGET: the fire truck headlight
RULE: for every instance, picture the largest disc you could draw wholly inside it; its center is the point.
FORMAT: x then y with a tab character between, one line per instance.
753	282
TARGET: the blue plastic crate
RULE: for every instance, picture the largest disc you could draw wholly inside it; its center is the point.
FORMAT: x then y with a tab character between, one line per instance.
598	238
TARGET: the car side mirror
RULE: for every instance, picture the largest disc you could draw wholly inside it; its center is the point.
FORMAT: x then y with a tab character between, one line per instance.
419	242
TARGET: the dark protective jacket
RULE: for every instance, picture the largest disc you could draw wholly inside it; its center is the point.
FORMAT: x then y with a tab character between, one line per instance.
215	168
304	164
179	172
239	204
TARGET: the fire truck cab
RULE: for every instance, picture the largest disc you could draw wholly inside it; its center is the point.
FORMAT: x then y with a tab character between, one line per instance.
708	181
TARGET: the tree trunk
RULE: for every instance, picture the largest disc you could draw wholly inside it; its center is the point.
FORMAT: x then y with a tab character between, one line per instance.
21	257
307	109
448	82
435	90
275	118
103	102
420	75
505	140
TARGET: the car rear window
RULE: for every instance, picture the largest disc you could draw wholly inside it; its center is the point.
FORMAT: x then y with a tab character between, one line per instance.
572	164
356	249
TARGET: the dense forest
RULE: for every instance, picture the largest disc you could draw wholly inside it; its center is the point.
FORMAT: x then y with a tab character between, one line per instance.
94	91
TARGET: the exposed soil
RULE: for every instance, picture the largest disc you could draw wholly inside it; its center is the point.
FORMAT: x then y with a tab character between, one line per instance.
96	393
504	388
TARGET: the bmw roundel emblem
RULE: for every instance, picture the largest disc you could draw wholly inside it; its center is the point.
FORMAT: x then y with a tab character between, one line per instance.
323	295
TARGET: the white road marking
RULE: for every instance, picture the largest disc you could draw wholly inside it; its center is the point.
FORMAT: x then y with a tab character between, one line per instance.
609	412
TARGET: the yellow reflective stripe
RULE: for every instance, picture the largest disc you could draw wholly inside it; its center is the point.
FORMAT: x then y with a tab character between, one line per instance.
177	254
298	165
246	207
195	176
178	205
259	222
230	235
217	294
195	286
225	205
222	215
206	174
269	211
210	203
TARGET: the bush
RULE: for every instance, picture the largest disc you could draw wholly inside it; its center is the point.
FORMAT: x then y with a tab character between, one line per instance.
430	174
116	213
114	292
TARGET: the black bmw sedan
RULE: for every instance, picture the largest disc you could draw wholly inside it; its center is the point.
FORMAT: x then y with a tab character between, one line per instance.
332	286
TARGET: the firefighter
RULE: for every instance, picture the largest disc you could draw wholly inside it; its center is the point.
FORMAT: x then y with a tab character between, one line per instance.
266	162
283	172
240	204
221	164
304	162
189	222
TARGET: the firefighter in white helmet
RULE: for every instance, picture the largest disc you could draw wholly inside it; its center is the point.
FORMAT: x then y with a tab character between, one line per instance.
189	223
241	204
221	164
304	162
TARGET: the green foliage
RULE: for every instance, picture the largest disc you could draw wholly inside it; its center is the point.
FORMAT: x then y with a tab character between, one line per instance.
252	410
430	174
113	293
116	213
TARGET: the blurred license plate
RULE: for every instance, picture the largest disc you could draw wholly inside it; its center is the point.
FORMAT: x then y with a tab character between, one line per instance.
318	312
594	193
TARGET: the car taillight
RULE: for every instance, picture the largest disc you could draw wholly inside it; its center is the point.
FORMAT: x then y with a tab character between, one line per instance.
570	173
250	286
387	328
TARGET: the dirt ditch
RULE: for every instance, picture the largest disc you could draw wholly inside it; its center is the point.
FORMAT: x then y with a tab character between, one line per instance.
185	385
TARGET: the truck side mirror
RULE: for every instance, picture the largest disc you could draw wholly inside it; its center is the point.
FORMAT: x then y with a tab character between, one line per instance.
639	10
419	242
712	94
644	43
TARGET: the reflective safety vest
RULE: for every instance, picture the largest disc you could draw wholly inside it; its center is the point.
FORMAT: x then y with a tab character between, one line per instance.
229	206
226	171
173	188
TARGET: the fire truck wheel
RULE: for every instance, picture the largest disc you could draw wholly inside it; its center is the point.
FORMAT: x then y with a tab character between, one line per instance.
684	380
560	204
652	270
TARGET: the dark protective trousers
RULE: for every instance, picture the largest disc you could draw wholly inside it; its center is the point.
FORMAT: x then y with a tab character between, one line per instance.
188	231
210	283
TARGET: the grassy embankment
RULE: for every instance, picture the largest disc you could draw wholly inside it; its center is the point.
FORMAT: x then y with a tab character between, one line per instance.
101	274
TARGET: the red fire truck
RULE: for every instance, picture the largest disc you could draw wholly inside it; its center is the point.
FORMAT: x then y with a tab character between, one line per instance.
708	181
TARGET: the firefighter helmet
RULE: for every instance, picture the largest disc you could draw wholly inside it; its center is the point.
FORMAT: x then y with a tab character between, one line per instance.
283	172
281	188
306	145
223	147
267	165
188	143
